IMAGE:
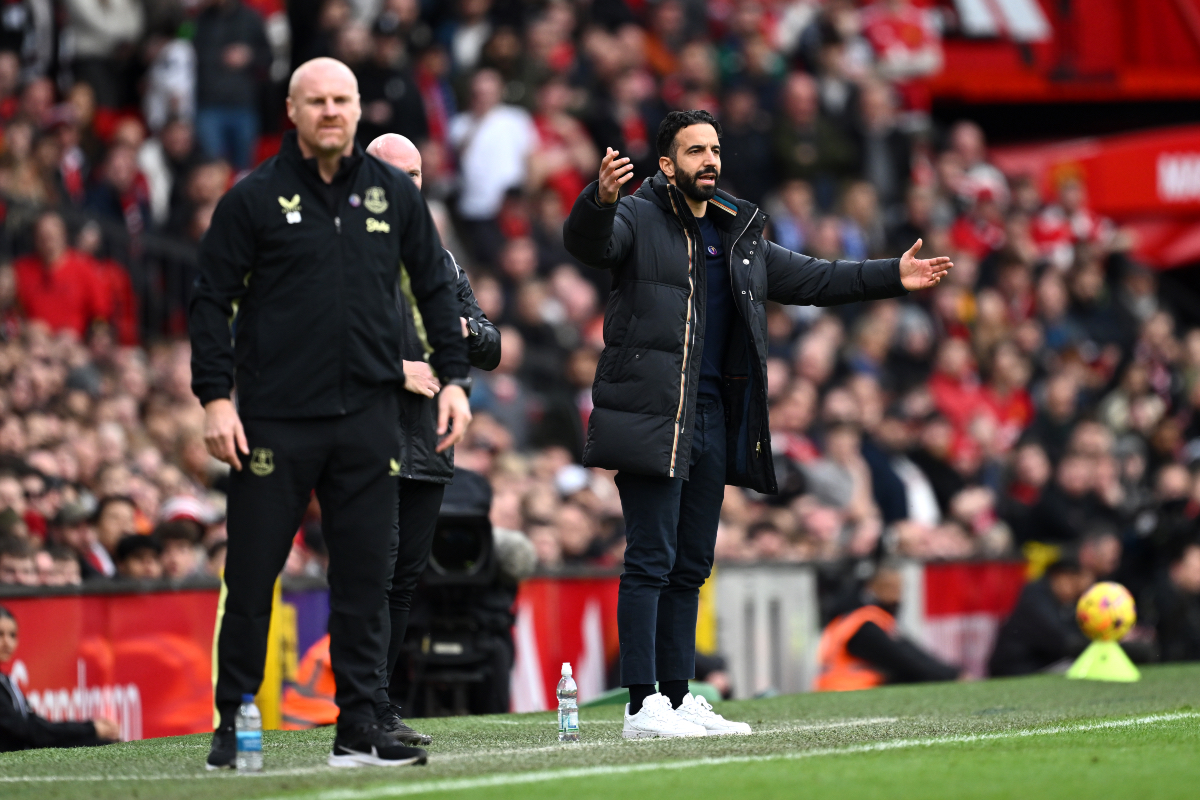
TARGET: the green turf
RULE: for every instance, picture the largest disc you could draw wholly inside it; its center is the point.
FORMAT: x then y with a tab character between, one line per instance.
1034	737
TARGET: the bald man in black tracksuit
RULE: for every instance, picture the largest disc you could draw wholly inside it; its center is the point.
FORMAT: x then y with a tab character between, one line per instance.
296	307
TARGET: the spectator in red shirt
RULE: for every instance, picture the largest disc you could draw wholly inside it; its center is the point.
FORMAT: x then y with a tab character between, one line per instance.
57	285
954	385
1006	396
116	281
565	156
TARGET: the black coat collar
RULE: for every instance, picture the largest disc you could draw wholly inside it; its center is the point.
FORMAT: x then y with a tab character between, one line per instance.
289	149
727	212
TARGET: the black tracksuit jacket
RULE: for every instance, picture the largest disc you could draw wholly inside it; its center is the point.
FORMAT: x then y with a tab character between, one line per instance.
419	459
298	296
646	383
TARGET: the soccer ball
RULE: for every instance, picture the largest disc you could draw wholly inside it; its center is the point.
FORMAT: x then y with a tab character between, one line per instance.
1106	612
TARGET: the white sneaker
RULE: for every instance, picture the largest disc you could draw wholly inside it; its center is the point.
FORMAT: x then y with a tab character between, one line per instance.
696	710
657	720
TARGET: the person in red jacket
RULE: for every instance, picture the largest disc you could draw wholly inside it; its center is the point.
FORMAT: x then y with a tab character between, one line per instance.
115	281
57	285
954	385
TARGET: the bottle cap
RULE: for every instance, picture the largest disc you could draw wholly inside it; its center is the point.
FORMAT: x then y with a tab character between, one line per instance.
566	670
247	698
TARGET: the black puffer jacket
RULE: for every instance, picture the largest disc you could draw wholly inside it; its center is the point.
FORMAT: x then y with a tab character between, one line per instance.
419	459
648	375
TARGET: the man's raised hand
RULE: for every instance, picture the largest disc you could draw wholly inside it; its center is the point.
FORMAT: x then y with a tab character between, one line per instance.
614	173
922	273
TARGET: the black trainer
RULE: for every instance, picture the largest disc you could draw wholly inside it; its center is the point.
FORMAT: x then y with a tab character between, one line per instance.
388	717
223	754
365	744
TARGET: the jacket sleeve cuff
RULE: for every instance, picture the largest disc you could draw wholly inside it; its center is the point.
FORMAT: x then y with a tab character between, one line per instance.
451	365
881	279
589	211
207	392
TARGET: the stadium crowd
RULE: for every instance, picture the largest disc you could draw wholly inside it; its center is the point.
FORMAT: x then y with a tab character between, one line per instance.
1045	397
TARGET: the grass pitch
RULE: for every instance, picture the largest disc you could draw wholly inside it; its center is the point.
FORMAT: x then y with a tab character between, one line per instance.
1041	737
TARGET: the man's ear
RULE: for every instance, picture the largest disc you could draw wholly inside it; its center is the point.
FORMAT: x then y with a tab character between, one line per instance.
291	111
667	166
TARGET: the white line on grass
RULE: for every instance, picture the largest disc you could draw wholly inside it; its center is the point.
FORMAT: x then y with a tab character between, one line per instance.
850	723
458	784
454	784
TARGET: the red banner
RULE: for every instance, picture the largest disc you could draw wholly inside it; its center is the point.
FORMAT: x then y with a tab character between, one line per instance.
964	606
143	659
563	619
1148	182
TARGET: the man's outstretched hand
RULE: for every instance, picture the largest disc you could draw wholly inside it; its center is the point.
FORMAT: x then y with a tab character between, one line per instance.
614	173
922	273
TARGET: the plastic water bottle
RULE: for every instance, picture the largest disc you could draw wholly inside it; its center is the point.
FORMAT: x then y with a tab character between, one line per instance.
249	736
568	708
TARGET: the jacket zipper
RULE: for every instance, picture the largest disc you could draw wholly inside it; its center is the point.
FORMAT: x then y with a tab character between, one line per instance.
733	288
687	336
337	222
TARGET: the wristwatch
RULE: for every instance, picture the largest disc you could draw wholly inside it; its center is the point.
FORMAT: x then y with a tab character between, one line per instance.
473	327
463	383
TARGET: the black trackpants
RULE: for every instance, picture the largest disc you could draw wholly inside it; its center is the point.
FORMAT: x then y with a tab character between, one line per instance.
419	505
348	460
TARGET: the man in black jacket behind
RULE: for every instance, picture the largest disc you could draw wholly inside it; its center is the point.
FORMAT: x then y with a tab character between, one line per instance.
424	472
297	305
680	404
1042	632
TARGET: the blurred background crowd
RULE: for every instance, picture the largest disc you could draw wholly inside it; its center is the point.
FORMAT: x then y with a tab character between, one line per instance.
1045	397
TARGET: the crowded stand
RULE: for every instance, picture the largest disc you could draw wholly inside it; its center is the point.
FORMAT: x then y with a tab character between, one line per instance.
1042	403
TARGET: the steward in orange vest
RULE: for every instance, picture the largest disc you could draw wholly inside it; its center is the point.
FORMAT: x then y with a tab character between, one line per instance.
309	703
860	649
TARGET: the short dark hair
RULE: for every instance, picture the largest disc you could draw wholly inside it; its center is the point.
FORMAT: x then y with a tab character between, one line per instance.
1067	563
110	500
759	528
16	547
677	121
177	530
58	552
136	543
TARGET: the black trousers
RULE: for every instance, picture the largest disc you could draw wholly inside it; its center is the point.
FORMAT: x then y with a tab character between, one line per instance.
418	508
348	461
670	534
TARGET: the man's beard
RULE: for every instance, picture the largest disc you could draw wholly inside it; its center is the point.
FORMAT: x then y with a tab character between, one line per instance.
694	191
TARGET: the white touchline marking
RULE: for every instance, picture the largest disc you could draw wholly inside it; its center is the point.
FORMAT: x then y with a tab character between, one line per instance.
457	784
454	784
850	723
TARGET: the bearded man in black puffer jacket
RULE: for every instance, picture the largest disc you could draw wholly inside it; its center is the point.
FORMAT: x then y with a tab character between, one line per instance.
680	397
